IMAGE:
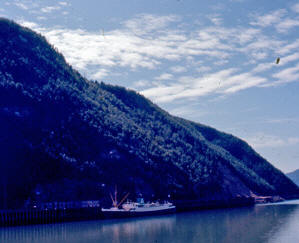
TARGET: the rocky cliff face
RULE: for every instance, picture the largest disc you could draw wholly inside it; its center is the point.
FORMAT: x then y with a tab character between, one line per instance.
63	137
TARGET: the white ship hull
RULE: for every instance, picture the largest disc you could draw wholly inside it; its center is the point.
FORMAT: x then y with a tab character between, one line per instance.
139	211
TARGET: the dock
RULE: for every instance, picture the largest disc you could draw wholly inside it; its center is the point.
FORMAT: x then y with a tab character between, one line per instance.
51	213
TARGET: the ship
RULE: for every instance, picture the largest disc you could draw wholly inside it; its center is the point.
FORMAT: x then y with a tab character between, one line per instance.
135	209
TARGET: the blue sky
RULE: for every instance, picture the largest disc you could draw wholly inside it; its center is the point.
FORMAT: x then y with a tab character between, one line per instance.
212	62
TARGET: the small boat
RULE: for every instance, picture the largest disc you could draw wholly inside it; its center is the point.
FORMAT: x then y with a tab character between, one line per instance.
135	209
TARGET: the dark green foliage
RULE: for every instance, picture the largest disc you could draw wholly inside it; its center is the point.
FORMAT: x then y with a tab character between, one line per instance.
63	137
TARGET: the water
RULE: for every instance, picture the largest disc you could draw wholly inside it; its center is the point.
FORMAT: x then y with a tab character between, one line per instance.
273	223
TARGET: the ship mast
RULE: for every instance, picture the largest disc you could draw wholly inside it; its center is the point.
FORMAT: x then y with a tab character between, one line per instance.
114	200
115	196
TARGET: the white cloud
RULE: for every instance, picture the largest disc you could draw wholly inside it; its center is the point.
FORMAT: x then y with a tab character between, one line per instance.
287	75
222	82
34	7
152	42
164	76
100	74
116	48
293	141
123	48
247	35
244	81
30	25
21	5
50	9
178	69
286	24
284	60
263	43
42	18
203	69
259	55
282	120
145	23
261	140
215	19
218	7
287	48
141	83
188	111
221	62
290	58
269	19
278	19
163	93
263	67
296	8
63	3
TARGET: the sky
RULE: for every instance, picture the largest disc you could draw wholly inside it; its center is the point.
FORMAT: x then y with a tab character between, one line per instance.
213	62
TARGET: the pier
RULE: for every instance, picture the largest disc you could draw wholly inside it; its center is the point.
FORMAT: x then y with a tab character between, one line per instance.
51	213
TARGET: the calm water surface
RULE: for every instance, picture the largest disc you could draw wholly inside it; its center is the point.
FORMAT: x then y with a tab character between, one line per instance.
263	223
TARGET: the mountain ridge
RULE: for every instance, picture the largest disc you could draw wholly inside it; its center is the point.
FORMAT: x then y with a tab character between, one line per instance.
76	138
294	176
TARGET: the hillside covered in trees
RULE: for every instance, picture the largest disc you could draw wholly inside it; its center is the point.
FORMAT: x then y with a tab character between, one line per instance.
63	138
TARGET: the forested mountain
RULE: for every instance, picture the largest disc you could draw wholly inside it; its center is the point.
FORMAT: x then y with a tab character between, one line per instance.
63	137
294	176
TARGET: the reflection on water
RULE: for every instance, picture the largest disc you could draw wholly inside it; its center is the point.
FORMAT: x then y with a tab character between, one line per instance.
263	223
288	231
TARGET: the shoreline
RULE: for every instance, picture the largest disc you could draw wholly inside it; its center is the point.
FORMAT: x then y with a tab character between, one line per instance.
21	217
11	218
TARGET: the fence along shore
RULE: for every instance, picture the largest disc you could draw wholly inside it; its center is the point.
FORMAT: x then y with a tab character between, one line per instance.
47	213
